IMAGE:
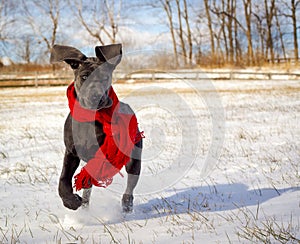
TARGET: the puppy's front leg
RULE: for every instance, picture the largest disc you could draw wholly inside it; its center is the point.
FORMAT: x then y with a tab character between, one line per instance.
65	189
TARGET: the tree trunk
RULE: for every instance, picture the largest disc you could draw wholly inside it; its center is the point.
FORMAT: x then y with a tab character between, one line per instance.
280	35
230	31
209	24
113	21
223	25
167	7
219	52
189	33
238	50
181	32
269	17
294	20
27	53
248	12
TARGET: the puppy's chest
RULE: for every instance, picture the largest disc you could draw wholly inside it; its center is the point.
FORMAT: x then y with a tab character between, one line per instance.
88	137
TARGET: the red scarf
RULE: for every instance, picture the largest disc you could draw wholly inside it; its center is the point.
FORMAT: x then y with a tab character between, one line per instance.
121	132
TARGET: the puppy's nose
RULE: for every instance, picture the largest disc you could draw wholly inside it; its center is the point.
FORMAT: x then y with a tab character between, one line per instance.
95	98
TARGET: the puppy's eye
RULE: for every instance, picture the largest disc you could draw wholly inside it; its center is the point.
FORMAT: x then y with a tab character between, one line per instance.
84	77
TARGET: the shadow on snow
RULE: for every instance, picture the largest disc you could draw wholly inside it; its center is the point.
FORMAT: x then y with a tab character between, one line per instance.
205	199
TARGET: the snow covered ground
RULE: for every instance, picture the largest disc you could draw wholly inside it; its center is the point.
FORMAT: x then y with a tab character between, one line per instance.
221	164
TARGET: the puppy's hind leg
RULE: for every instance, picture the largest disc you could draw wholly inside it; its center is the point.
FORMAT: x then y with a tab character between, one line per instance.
127	199
133	169
86	195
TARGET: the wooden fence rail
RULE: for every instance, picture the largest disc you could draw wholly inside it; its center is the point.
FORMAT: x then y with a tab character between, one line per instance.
48	79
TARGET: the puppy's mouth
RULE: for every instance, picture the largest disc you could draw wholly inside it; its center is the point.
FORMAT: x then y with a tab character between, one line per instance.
105	102
96	102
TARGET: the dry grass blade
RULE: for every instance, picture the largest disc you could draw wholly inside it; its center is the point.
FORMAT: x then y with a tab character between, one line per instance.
268	232
108	230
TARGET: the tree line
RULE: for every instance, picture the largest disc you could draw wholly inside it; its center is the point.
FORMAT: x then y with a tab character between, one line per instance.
208	32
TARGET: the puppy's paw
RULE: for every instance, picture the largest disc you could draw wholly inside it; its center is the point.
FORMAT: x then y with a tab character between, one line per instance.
127	203
73	201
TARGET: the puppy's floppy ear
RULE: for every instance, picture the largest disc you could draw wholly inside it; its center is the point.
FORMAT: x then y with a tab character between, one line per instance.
110	53
70	55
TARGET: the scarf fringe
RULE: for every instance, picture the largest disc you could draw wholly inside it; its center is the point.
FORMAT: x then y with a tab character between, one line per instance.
84	180
139	136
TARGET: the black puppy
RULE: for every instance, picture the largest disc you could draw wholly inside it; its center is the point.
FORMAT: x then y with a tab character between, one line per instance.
93	78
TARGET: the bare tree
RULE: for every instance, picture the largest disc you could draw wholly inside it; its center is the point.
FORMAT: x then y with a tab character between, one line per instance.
248	13
181	27
189	33
210	28
7	20
220	10
230	27
99	18
270	12
290	12
180	32
258	20
219	31
4	22
229	24
24	49
294	6
238	49
166	4
280	33
228	15
45	23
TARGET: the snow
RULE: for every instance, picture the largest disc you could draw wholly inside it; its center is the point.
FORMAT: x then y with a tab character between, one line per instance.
220	165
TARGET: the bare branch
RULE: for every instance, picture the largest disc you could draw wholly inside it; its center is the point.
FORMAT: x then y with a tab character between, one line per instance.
105	21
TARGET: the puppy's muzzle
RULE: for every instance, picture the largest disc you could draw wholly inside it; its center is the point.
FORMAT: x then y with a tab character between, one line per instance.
99	102
96	99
